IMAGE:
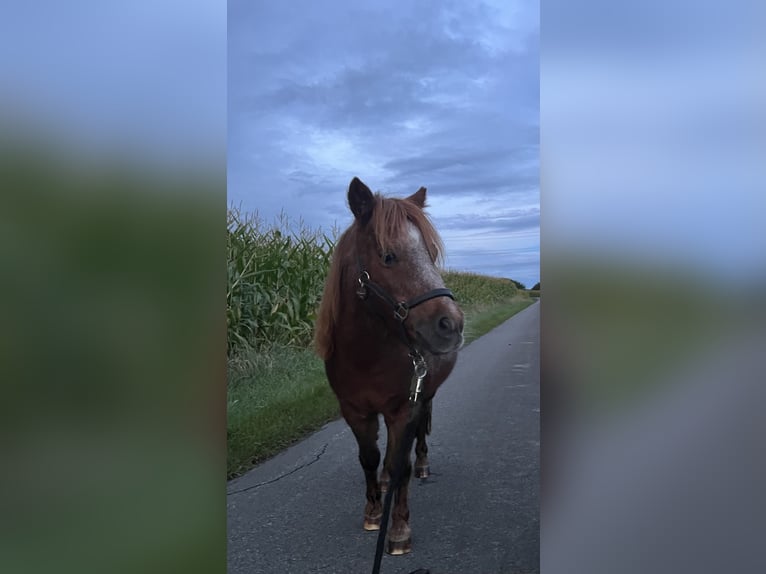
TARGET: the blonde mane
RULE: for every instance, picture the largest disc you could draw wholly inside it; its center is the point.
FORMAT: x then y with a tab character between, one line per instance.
388	222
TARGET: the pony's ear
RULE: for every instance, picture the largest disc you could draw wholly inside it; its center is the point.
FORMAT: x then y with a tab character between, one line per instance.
419	198
360	199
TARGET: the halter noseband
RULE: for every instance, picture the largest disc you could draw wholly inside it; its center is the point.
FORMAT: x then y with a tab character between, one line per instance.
401	308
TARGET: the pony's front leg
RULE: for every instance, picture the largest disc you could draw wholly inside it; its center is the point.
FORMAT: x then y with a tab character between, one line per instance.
365	430
422	468
399	534
385	479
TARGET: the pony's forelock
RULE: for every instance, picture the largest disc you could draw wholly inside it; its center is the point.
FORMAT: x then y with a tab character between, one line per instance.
389	221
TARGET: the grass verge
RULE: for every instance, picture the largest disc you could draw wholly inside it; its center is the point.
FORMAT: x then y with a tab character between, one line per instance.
275	397
279	395
482	320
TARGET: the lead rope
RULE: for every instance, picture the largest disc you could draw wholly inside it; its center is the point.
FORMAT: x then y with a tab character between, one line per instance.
420	370
401	311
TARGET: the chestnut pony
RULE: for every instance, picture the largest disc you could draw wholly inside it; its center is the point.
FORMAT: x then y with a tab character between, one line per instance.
384	310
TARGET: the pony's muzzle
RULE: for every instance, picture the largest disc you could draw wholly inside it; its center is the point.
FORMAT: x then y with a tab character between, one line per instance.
449	329
444	332
447	326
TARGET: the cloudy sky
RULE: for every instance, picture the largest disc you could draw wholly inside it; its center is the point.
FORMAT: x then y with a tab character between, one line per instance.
401	94
141	78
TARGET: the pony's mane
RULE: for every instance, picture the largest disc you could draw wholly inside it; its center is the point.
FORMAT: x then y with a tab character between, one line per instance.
389	222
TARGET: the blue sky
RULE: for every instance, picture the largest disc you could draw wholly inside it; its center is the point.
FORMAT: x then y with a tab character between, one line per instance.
140	78
401	94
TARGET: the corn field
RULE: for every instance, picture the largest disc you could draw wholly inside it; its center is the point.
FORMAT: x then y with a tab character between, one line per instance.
473	289
276	275
275	278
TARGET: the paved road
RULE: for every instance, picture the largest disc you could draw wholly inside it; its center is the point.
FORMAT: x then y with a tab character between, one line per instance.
301	511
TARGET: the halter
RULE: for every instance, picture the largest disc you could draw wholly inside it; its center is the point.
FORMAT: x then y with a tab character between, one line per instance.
401	309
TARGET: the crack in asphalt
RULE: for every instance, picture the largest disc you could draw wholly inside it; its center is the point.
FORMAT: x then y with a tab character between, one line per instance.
281	476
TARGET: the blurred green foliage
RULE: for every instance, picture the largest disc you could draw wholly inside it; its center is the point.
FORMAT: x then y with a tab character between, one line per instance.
112	365
620	327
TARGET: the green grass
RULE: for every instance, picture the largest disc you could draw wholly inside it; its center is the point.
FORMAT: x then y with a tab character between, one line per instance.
274	398
483	320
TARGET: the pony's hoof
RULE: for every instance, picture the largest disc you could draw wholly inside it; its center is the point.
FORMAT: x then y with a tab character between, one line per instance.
399	547
372	522
373	514
422	471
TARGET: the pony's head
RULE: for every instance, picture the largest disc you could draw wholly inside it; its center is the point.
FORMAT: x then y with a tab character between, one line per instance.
396	252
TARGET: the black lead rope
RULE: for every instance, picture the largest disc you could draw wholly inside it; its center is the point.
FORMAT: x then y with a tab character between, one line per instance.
420	370
396	478
401	310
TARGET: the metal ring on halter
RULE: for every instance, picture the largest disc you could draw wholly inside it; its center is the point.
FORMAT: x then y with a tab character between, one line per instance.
401	311
361	291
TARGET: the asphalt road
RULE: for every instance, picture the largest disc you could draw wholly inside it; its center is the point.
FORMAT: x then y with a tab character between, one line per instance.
301	511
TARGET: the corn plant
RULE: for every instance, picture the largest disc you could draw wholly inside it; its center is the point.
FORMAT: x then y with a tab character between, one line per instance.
275	278
473	289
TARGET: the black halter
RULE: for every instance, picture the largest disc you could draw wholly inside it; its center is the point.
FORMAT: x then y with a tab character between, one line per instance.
401	309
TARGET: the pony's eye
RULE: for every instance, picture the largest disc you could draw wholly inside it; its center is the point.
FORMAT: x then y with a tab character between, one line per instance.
389	258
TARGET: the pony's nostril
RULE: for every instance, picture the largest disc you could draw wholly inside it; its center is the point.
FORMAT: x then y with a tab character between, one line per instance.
446	325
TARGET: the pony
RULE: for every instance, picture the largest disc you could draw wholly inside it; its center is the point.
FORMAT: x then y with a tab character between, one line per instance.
385	313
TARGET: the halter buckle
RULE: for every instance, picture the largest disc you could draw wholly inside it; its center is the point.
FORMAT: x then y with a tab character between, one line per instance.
401	311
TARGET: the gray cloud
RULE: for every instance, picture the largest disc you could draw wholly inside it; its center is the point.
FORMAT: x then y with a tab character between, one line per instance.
510	220
401	95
